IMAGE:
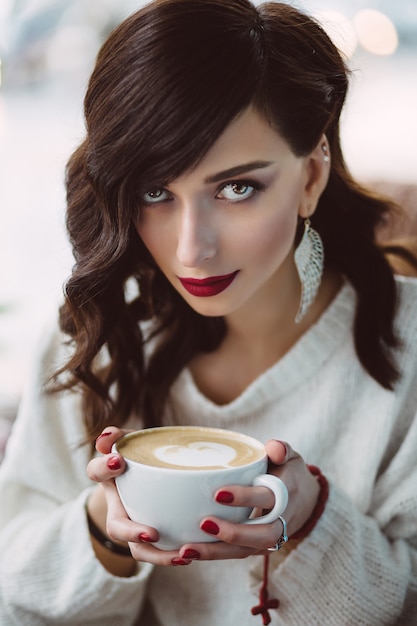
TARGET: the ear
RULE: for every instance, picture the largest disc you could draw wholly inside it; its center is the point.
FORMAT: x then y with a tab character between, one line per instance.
317	171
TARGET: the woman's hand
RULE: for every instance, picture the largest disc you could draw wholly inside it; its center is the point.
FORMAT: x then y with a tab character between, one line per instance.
240	540
108	513
233	540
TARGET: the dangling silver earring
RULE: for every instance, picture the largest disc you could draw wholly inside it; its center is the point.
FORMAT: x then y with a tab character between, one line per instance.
309	261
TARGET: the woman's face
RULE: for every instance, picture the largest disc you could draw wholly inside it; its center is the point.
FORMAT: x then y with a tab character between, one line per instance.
223	233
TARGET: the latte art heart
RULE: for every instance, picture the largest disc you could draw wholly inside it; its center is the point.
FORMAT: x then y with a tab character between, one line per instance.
197	454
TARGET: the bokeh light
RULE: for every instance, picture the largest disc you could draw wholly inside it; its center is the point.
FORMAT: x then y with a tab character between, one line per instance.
376	32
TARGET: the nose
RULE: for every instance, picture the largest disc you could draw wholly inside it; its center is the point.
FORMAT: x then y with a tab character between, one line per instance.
197	240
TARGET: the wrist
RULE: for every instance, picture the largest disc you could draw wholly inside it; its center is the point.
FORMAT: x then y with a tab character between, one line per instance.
319	507
104	540
118	562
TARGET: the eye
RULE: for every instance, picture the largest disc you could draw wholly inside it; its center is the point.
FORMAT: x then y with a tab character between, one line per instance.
153	196
238	190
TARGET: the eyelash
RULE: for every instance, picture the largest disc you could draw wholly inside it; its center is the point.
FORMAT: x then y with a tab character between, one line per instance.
256	185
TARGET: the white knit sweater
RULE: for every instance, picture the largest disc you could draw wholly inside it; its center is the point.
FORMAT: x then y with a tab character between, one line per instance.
358	566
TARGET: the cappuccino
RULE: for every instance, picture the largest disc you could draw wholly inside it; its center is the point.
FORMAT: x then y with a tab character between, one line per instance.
190	448
173	472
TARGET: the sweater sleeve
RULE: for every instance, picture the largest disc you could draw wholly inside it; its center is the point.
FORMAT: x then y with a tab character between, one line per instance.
48	570
355	567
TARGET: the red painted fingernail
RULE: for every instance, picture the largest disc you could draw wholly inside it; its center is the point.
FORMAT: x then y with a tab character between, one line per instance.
179	561
145	538
103	435
191	554
225	497
114	463
210	527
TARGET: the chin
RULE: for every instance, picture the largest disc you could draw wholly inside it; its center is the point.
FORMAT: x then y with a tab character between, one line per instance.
208	307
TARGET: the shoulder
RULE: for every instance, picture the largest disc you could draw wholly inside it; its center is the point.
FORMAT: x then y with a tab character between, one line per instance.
53	350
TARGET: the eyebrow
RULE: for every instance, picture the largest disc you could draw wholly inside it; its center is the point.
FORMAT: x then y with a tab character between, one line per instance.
238	169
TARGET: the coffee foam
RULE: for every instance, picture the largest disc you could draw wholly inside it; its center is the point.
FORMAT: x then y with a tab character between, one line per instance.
197	454
190	448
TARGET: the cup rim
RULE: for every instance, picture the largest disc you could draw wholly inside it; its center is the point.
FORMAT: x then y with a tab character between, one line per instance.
190	470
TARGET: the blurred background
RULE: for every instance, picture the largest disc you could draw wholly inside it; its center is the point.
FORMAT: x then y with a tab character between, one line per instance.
47	50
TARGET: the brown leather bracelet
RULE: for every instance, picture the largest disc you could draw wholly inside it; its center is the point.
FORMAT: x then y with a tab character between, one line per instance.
104	540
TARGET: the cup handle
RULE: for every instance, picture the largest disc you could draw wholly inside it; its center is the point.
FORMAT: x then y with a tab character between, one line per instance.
280	492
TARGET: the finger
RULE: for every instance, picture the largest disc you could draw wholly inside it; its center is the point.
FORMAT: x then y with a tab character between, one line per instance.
253	497
105	441
259	537
148	553
104	468
139	536
119	526
280	452
217	551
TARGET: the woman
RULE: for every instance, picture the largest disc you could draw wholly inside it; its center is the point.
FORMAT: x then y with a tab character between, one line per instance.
209	183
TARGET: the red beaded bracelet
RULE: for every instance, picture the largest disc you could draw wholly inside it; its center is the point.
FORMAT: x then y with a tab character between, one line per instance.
308	526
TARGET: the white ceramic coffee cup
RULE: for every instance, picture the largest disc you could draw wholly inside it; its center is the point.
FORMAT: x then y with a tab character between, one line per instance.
175	500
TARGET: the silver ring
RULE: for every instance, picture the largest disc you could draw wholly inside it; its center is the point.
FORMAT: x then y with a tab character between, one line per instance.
284	537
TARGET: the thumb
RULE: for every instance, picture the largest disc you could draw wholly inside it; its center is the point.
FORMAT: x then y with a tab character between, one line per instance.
279	452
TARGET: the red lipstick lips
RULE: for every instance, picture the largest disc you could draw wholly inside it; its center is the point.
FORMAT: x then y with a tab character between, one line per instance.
206	287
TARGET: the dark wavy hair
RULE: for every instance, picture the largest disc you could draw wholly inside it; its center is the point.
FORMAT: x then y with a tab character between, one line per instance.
166	84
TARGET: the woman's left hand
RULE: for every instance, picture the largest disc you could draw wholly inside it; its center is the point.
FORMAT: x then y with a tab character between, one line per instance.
242	540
